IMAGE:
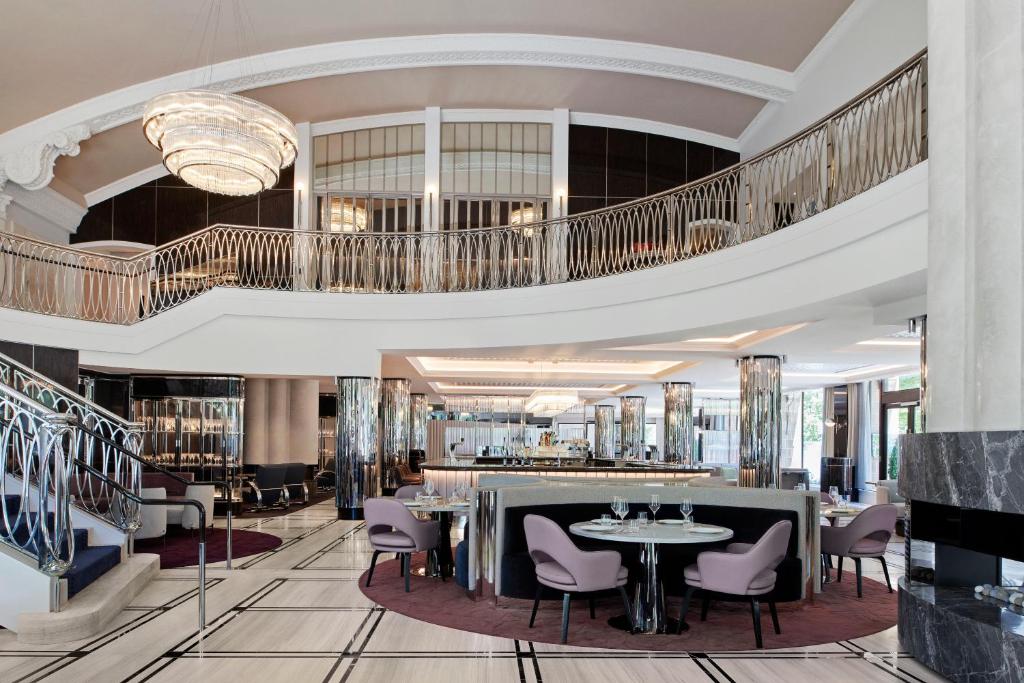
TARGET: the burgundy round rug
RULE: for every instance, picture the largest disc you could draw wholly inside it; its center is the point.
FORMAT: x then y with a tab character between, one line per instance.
834	614
180	547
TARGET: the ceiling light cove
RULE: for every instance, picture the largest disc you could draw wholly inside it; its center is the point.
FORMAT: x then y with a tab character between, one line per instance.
721	340
594	369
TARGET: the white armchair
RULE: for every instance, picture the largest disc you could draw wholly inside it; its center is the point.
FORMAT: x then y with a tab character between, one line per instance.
187	515
154	517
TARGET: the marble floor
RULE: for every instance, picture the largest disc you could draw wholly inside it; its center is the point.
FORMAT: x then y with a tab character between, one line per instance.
296	614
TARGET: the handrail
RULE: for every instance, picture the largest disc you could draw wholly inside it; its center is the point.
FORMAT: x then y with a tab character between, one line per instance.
874	137
139	500
178	478
105	441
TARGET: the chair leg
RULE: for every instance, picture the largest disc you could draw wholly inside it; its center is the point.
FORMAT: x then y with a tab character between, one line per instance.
856	563
839	570
565	618
407	560
373	563
536	604
775	616
629	608
685	607
704	604
755	612
885	570
590	603
401	564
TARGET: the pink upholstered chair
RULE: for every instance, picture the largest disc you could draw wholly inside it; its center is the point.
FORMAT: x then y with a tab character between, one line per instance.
564	567
866	536
393	529
744	569
408	492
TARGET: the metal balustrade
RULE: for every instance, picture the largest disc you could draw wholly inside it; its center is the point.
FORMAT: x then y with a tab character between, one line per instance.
880	134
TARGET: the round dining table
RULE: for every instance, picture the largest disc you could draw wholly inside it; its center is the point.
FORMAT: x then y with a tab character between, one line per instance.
648	607
441	563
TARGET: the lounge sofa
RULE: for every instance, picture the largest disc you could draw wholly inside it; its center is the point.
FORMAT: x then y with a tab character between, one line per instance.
156	518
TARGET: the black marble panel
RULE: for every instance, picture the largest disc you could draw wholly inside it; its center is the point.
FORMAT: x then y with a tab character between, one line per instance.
725	158
134	217
980	470
961	636
700	160
666	163
180	211
233	210
60	365
588	160
581	204
627	163
276	209
19	352
97	223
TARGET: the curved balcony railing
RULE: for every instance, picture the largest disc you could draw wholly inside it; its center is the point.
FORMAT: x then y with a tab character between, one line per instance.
880	134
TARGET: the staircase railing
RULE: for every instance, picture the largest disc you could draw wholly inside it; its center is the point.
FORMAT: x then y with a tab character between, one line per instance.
878	135
36	454
107	442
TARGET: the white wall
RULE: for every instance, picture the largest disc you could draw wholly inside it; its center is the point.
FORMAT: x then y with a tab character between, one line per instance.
871	39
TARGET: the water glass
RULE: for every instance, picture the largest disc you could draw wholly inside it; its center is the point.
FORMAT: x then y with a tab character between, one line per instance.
655	505
633	526
641	517
800	487
833	492
686	508
606	520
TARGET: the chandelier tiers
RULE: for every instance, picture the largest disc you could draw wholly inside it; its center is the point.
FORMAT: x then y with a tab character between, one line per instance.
222	143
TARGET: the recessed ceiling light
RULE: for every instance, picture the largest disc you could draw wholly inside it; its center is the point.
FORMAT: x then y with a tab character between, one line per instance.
721	340
890	342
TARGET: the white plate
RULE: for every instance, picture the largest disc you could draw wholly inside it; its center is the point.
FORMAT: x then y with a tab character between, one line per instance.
597	521
674	522
595	527
411	503
707	529
463	504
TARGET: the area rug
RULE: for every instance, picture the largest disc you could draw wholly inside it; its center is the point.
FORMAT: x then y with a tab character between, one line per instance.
833	615
180	547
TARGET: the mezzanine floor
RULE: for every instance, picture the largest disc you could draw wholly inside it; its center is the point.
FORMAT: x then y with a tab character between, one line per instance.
296	614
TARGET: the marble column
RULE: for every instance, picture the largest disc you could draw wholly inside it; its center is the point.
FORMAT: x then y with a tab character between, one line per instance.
419	413
632	419
394	429
760	421
975	215
356	459
604	431
678	422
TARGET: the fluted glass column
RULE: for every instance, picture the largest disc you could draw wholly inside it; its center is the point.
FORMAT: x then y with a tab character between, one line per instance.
604	431
394	429
419	413
356	457
631	426
760	421
678	422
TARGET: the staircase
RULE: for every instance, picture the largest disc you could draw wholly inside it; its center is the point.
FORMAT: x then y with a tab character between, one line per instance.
69	505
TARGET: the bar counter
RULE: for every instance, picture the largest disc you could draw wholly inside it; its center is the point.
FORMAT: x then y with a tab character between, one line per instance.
446	476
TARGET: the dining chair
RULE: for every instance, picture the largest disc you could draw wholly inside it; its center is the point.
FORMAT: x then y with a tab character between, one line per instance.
867	535
743	569
560	565
408	492
393	529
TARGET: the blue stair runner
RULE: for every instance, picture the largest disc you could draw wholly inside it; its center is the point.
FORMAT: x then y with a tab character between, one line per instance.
90	563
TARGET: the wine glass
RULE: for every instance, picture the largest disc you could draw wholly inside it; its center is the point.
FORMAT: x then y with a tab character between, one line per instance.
833	492
655	505
623	509
686	507
615	505
428	488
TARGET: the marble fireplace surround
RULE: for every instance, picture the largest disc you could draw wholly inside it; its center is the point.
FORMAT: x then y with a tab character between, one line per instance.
961	636
980	470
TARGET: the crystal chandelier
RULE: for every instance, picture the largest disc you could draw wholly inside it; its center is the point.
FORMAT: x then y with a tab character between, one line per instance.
222	143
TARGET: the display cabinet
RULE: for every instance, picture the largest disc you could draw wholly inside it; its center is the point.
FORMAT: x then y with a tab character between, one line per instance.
191	424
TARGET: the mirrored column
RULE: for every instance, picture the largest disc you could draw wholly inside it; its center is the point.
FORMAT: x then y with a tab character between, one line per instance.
631	426
419	413
604	432
356	459
760	421
679	422
394	429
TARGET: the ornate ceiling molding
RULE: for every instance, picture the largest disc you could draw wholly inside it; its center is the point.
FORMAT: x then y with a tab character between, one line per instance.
31	166
28	151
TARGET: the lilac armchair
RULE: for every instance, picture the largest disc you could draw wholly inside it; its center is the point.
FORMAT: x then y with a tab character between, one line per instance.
866	536
393	529
408	492
744	569
564	567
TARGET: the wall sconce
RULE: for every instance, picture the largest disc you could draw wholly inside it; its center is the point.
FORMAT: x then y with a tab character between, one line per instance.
298	195
560	193
430	206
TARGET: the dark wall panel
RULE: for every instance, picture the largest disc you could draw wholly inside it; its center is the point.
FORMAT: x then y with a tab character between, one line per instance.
609	166
167	208
60	365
